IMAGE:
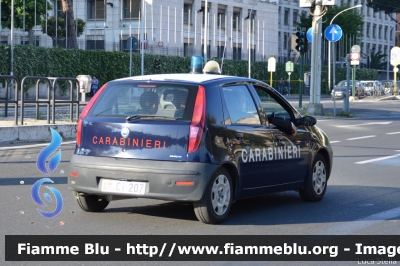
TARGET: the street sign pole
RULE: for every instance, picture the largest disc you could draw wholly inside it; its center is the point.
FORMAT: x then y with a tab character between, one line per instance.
395	70
301	81
394	61
289	70
271	67
355	57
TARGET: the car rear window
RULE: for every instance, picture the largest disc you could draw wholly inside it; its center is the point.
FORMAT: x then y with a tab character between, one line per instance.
124	99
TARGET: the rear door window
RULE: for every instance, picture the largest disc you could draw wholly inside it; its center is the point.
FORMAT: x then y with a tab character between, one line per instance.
144	99
240	104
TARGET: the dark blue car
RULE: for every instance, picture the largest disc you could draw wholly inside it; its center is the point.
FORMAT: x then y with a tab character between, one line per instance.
202	138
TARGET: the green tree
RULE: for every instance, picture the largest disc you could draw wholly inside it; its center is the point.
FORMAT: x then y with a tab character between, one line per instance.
59	33
24	10
388	6
68	9
377	60
350	21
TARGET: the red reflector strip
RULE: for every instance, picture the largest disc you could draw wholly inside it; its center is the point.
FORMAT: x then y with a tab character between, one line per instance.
184	183
73	174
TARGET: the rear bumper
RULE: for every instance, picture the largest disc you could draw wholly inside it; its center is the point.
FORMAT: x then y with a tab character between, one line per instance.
160	175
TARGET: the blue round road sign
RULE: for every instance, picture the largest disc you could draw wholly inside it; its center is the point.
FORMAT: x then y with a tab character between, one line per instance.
309	35
333	33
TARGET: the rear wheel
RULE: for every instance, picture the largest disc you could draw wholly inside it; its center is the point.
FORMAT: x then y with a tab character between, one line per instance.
216	203
316	182
90	203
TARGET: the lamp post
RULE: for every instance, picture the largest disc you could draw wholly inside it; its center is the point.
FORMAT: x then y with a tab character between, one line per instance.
329	50
388	53
249	34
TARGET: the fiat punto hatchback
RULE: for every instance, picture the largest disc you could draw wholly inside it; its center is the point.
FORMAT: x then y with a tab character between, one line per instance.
200	138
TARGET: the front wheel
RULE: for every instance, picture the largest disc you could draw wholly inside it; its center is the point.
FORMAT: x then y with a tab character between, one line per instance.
316	181
216	203
90	203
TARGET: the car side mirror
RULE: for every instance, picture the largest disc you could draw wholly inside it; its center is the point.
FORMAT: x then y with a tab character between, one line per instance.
306	121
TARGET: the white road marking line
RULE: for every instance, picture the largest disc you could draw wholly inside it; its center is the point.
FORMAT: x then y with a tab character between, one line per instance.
367	124
335	141
392	133
348	228
378	159
32	146
365	137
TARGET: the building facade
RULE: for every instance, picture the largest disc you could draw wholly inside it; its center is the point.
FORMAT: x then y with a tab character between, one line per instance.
174	27
177	27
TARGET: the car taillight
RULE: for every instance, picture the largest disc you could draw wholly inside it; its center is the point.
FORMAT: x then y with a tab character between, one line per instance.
198	118
85	112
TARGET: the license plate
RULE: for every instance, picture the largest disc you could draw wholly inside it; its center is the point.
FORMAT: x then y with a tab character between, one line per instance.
126	187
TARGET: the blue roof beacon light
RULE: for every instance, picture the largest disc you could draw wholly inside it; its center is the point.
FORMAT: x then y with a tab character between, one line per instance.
196	65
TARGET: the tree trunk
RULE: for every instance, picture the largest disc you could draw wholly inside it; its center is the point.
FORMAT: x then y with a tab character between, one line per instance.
68	7
31	37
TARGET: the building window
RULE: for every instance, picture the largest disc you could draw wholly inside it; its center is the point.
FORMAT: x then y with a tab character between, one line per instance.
252	20
96	9
60	13
131	9
208	51
368	30
236	20
187	13
203	10
374	31
221	17
380	32
386	30
237	53
220	51
253	54
187	49
94	44
285	41
286	17
295	14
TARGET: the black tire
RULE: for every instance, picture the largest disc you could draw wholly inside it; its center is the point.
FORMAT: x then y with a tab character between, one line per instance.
91	203
213	210
316	182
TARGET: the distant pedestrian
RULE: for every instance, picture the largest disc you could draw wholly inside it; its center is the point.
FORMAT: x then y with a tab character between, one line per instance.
287	87
95	85
280	85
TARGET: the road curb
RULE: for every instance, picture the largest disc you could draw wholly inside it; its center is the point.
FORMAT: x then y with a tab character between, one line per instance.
35	133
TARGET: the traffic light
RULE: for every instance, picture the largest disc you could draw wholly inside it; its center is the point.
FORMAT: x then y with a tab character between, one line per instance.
300	47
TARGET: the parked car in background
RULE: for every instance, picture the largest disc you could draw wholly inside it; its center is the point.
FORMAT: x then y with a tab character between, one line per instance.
341	89
388	86
373	87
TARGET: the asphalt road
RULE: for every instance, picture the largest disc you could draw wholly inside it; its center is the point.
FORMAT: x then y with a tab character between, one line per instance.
362	197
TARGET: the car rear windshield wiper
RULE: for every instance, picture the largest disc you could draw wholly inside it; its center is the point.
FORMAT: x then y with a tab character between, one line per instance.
134	117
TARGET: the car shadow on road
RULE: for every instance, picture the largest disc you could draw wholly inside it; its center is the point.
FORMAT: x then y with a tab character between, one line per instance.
341	203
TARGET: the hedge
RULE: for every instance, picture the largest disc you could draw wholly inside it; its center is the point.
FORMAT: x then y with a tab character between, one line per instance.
57	62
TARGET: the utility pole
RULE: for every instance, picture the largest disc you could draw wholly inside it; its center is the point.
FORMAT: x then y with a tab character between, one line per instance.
315	107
